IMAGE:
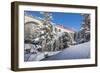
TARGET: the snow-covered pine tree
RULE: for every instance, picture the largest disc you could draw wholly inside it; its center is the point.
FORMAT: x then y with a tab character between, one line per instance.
84	33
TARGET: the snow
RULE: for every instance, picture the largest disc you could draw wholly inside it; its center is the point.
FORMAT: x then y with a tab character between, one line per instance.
80	51
38	56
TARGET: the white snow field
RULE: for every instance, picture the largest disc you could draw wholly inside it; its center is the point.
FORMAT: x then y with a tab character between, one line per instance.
80	51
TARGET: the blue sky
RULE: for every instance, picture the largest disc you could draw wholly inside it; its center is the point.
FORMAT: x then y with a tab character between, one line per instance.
69	20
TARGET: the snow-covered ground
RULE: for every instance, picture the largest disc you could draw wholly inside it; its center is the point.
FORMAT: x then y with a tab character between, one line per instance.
80	51
38	56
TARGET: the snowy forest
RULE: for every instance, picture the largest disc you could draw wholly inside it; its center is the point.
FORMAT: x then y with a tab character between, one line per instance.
42	41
